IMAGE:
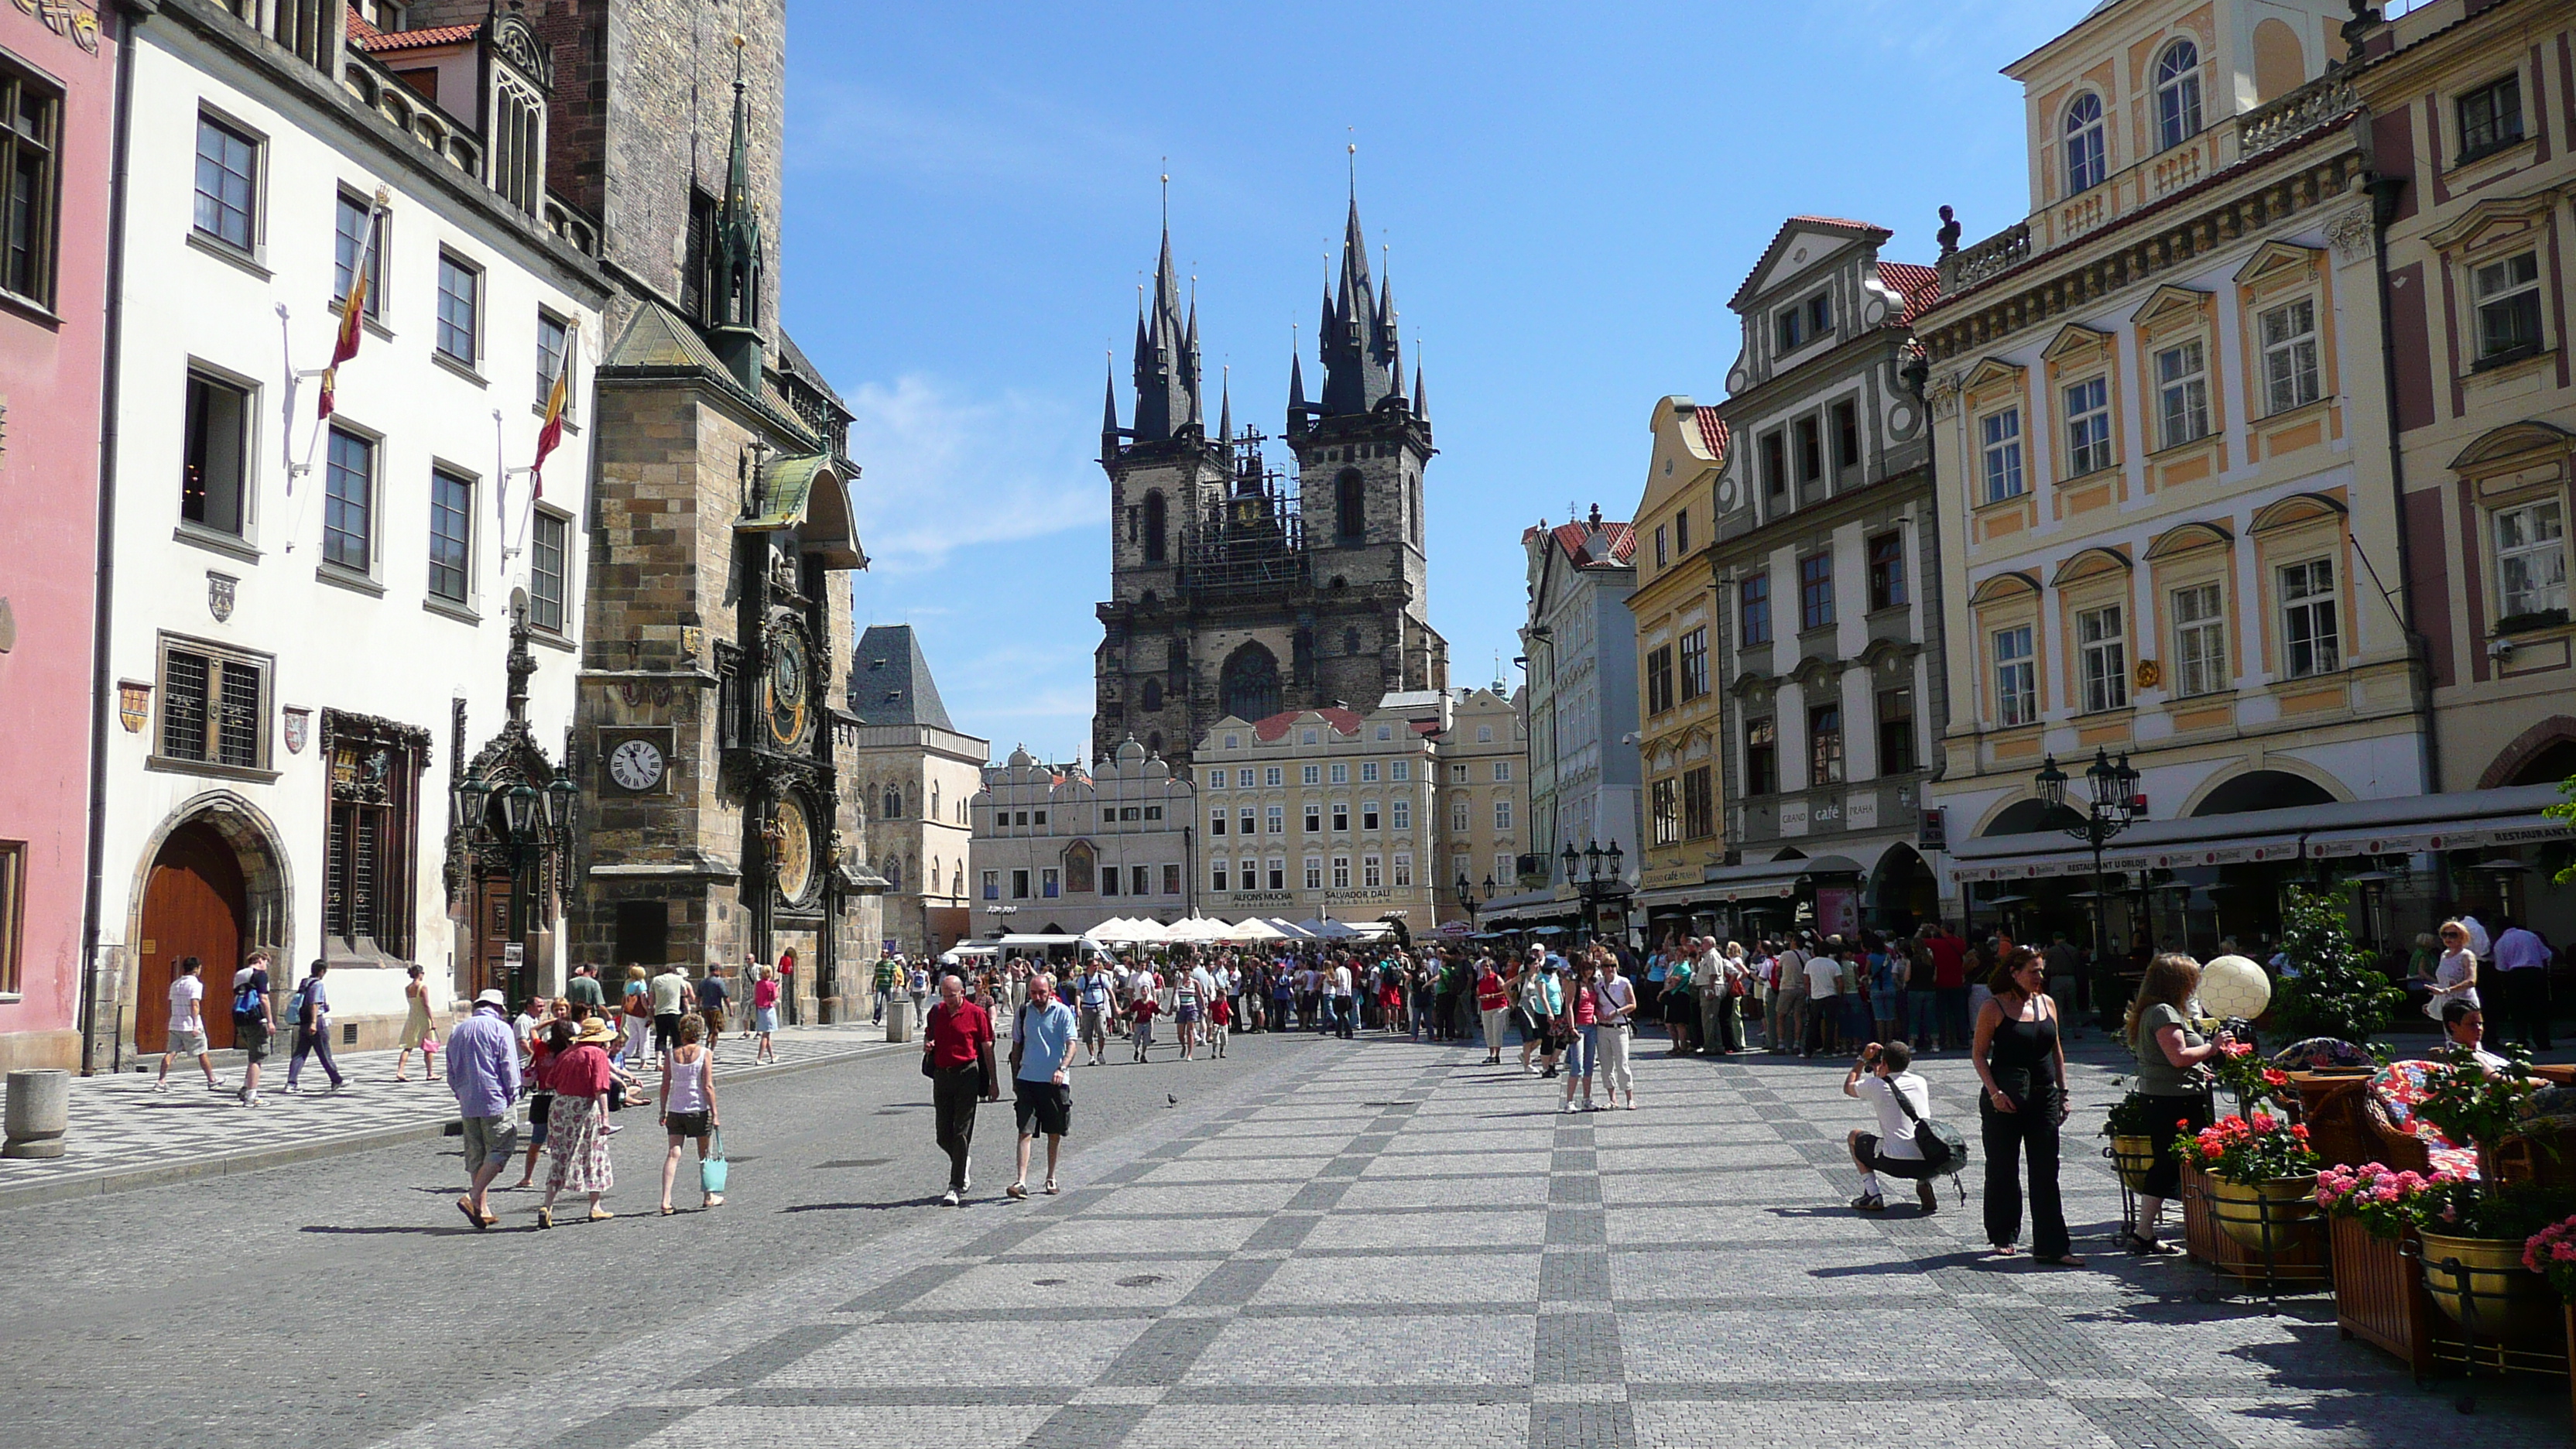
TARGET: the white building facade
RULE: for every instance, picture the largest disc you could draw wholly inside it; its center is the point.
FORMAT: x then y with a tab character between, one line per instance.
311	619
1059	849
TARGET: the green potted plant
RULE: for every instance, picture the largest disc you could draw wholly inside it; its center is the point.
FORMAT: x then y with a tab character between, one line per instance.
2263	1175
2473	1244
2129	1125
2336	992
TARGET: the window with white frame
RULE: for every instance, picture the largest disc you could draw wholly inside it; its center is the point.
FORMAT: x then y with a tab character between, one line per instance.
2531	558
1503	813
1341	872
2084	149
1274	820
1502	771
1400	770
2200	640
1341	774
549	535
1314	872
1458	814
1247	874
2177	94
1368	815
2016	677
2508	300
1372	872
2308	619
1368	772
1276	868
1399	813
1273	776
1403	870
1314	818
1220	875
2182	393
2103	652
2290	355
2003	454
2088	426
1341	817
2490	117
1310	775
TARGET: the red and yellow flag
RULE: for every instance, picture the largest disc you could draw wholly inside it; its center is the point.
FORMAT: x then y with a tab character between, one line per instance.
558	398
353	311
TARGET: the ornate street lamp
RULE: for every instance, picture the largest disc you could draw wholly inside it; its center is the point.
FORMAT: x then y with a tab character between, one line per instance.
561	795
472	792
2112	807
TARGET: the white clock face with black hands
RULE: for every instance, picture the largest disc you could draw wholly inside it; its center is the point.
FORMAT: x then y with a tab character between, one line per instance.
635	765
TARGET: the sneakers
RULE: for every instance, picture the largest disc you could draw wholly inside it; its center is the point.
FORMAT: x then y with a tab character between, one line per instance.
1869	1202
1017	1190
1051	1189
1924	1194
1568	1108
948	1198
162	1085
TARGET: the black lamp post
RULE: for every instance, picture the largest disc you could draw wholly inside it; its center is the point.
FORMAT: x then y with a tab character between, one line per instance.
1599	878
2111	806
534	823
1465	893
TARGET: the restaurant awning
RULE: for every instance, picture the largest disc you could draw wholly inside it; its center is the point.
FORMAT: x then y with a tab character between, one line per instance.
1769	878
2405	825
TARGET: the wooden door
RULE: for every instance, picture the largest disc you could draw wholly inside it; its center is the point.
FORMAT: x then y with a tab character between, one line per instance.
193	905
490	937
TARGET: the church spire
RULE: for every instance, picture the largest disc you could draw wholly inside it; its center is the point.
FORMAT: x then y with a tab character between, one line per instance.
733	296
1166	356
1358	362
1108	410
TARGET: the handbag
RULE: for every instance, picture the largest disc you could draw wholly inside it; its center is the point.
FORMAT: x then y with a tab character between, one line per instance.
712	1168
1944	1150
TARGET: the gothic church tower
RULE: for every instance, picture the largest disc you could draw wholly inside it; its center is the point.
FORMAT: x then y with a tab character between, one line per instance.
1233	593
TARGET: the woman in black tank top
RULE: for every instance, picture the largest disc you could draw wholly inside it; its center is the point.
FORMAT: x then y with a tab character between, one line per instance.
2023	1067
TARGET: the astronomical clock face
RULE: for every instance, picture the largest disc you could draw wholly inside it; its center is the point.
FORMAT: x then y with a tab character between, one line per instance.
795	850
789	689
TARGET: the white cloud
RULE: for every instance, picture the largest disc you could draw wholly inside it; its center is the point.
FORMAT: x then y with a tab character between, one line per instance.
941	472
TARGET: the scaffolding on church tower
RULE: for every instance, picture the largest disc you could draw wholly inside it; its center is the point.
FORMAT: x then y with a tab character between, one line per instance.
1252	539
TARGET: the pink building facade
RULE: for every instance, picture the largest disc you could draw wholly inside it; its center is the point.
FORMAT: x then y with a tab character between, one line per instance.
58	70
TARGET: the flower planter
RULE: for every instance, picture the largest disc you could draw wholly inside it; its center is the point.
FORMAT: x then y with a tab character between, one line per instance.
2380	1297
2260	1215
2489	1293
2132	1157
2298	1250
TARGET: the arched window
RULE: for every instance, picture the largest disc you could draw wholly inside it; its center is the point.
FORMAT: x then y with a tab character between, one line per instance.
2177	94
934	802
1153	694
893	803
2084	144
1350	507
1250	685
1154	526
930	882
1154	743
893	872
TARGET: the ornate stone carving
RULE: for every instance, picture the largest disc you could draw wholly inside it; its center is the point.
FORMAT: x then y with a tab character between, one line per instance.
2350	234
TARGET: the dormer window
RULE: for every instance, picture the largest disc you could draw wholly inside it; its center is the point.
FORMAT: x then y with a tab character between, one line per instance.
2084	155
2177	94
1803	322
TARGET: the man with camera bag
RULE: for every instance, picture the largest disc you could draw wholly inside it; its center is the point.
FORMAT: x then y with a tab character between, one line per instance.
1877	1078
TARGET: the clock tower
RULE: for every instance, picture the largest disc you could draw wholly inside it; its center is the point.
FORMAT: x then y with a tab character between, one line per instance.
719	820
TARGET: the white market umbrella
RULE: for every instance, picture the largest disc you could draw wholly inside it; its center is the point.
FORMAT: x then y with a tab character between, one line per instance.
1257	929
1328	930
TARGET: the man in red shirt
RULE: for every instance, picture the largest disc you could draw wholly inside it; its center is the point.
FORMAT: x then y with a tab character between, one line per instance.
957	1054
1949	984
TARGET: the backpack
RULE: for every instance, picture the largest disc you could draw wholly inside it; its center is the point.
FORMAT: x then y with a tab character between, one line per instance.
1944	1150
246	998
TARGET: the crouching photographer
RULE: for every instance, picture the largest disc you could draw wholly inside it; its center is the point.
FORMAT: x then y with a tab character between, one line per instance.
1901	1100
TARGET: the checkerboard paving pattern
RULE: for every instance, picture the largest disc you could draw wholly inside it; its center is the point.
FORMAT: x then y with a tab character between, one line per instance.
1381	1243
122	1130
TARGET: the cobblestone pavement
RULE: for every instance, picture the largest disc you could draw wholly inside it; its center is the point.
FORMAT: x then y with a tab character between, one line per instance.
124	1134
1384	1243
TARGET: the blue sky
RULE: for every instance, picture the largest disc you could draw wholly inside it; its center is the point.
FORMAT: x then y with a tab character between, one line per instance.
1569	193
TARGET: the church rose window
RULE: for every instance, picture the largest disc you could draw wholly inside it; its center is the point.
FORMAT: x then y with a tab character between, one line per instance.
1250	690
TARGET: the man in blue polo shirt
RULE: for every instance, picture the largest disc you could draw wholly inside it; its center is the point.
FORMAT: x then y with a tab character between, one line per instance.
1042	1047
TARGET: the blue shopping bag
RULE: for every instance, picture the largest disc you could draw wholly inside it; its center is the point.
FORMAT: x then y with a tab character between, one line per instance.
712	1169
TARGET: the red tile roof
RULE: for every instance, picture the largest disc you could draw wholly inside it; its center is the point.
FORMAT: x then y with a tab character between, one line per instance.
1343	721
1919	285
380	42
1712	433
1572	537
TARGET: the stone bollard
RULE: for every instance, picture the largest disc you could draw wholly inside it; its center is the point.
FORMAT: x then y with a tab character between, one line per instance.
898	1024
38	1114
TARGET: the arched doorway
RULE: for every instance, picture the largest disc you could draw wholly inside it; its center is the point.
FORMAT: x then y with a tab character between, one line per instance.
195	903
2262	790
1903	893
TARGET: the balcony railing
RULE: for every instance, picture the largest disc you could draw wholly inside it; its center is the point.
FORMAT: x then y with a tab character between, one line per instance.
1997	254
2296	114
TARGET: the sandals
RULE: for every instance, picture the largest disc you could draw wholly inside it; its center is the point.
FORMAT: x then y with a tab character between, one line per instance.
667	1210
479	1221
2145	1247
1051	1189
601	1215
714	1200
545	1217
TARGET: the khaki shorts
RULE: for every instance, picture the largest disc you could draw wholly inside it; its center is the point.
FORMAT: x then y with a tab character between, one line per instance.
489	1141
187	1043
